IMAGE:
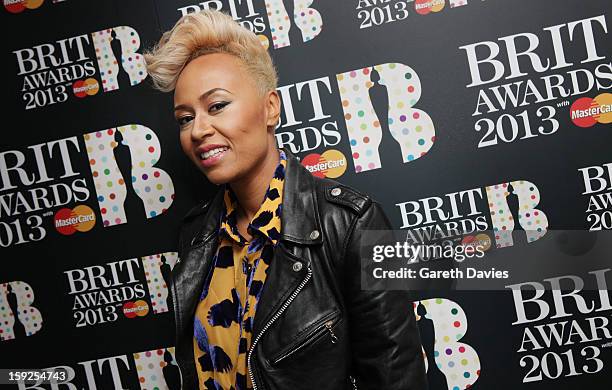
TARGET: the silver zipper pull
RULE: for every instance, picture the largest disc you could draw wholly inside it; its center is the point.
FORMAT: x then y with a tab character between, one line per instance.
328	325
353	382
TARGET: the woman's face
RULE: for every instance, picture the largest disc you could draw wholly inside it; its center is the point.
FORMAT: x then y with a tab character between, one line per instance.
226	126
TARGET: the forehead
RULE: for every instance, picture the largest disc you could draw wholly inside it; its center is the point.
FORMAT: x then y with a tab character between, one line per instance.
215	70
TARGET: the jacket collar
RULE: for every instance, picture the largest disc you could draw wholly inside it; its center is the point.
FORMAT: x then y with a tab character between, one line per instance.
299	220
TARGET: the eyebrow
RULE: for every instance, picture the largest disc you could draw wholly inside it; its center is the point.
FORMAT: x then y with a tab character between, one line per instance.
202	97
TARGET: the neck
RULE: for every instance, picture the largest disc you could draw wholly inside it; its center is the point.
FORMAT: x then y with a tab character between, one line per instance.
250	190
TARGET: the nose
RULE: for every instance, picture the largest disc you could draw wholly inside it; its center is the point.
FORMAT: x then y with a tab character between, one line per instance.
201	128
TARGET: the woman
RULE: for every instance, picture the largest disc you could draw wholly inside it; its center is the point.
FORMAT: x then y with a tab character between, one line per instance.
267	291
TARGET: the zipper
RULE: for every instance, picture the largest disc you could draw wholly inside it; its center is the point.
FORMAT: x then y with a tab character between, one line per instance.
334	338
274	318
324	328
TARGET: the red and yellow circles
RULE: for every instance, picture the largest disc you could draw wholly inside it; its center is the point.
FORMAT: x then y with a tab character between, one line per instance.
423	7
82	218
586	111
87	87
138	308
331	163
17	6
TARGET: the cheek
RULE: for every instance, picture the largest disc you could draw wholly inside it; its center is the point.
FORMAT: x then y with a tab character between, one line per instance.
253	132
252	118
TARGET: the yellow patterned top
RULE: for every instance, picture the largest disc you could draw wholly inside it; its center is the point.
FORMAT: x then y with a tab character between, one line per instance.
224	316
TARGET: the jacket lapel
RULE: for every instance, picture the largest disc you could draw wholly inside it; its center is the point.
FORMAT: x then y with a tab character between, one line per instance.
299	218
188	275
299	222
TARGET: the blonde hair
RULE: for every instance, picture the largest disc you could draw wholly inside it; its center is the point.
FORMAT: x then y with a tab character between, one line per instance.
204	32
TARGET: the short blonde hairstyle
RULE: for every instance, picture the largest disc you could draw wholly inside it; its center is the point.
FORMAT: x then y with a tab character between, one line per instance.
204	32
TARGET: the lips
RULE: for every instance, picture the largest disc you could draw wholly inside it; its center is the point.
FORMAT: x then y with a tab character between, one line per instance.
211	154
209	147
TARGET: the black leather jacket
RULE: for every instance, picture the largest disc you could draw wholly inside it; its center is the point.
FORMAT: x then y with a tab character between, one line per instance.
315	328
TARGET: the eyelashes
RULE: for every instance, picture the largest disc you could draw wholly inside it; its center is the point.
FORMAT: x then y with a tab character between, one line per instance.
215	107
184	120
219	104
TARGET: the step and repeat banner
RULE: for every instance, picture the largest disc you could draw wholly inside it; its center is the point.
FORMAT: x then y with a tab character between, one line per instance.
488	117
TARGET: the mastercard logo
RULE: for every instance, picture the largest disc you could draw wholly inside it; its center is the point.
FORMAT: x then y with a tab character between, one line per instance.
330	163
17	6
87	87
135	309
586	112
81	218
483	240
424	7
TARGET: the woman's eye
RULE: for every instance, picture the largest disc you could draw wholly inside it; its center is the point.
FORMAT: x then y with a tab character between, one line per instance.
183	120
218	106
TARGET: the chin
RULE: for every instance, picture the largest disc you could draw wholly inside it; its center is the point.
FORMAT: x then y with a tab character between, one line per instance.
217	178
216	182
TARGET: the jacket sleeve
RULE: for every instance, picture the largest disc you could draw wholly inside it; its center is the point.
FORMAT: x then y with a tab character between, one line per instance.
385	340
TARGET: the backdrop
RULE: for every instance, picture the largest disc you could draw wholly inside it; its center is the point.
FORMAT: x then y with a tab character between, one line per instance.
471	114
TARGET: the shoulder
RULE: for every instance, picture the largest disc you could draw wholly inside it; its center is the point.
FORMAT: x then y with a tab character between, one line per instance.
342	196
194	219
193	222
190	223
199	209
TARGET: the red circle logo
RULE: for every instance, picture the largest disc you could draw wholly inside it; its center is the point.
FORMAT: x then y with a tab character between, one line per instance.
582	111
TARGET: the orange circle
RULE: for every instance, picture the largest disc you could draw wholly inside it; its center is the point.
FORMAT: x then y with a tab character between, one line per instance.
33	4
141	308
86	216
336	162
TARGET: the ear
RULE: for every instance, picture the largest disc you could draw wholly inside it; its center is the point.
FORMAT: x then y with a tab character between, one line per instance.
273	106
